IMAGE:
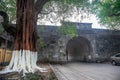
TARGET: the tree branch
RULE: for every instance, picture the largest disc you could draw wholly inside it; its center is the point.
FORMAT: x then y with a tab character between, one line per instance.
115	14
39	5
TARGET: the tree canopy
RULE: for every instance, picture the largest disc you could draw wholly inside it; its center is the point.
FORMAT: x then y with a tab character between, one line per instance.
9	6
46	8
108	12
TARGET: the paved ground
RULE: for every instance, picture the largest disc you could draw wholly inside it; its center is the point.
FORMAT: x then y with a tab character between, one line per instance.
87	71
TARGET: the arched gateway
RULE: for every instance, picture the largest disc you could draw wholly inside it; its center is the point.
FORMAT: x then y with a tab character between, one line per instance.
78	49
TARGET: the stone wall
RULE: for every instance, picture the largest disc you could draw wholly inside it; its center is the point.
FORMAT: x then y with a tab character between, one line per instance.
103	43
107	45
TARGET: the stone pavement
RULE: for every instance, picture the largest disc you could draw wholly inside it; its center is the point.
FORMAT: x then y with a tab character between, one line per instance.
86	71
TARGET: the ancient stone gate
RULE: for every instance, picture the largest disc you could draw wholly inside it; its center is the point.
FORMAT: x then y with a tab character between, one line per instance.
94	45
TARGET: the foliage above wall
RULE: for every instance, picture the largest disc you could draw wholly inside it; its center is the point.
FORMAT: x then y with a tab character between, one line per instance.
68	29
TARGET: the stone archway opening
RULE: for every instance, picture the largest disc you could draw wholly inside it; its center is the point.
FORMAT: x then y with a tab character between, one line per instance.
78	49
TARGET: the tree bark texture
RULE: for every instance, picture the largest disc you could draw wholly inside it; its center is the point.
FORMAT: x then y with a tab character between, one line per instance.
26	35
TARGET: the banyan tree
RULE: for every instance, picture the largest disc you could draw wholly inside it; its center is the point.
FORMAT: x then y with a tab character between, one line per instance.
24	55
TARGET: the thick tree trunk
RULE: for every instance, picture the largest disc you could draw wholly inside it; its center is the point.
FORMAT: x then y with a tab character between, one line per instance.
26	36
25	46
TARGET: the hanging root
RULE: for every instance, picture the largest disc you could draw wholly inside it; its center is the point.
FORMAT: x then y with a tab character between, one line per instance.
23	61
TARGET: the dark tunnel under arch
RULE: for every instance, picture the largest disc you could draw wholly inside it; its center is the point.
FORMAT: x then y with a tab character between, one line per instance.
78	49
